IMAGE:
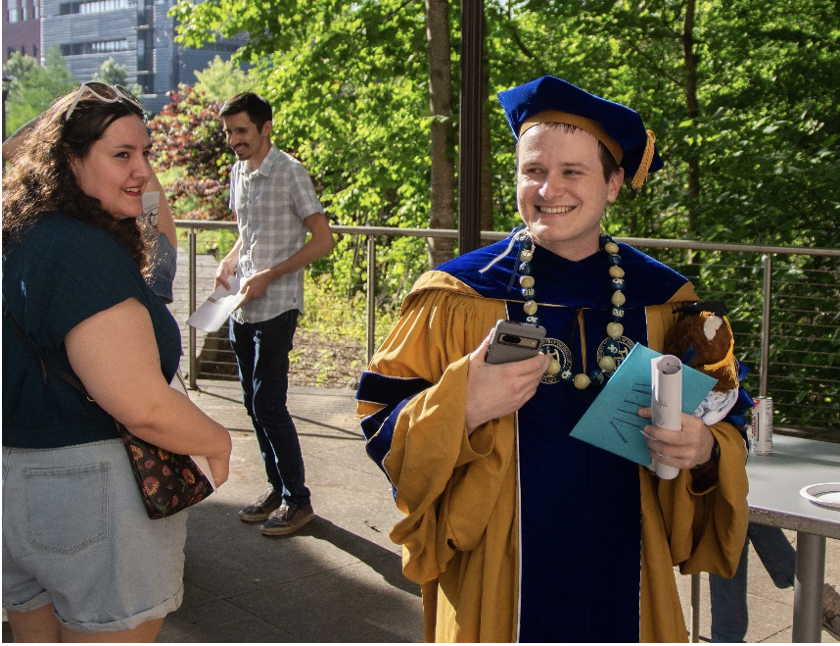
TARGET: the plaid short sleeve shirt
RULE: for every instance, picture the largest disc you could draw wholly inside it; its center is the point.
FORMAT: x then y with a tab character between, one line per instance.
271	204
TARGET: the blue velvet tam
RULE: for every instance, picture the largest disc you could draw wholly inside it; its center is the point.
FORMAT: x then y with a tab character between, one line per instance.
552	100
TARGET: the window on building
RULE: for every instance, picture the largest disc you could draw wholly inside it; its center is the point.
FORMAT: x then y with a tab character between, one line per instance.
36	10
94	6
13	14
98	47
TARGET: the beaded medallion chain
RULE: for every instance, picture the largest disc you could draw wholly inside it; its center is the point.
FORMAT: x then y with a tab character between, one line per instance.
607	364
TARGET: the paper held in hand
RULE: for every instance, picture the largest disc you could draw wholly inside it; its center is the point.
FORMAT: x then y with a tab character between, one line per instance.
612	421
666	402
213	312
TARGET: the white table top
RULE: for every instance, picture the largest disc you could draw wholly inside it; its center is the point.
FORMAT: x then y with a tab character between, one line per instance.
777	479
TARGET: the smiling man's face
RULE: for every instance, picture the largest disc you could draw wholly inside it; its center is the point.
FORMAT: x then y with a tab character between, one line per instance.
247	141
560	189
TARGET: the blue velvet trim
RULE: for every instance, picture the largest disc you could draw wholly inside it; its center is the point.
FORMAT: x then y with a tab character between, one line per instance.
379	431
393	393
690	353
571	283
743	370
737	415
382	389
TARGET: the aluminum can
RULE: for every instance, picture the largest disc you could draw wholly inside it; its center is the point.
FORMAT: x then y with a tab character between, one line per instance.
762	426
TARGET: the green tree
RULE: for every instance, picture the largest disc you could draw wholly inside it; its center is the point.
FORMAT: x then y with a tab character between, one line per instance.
728	88
348	82
111	72
441	134
221	80
33	87
742	97
781	128
191	155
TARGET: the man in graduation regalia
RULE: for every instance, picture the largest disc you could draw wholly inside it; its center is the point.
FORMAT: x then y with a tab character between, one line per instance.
515	530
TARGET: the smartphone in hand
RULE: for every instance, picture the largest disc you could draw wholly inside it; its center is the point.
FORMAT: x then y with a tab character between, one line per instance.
514	341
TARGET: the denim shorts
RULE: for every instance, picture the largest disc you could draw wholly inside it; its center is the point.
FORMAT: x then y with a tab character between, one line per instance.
76	535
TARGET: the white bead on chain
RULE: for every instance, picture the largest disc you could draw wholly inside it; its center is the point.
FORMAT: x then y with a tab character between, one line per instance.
615	329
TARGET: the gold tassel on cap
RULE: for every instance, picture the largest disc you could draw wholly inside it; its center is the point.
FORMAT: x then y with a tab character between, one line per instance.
647	158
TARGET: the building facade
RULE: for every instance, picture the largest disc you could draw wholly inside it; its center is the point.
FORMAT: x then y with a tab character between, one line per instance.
137	34
21	28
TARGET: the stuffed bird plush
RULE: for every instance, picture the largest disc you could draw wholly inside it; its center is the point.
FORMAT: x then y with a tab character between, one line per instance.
702	338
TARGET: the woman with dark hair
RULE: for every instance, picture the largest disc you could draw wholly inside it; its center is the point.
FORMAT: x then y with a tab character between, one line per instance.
81	559
157	220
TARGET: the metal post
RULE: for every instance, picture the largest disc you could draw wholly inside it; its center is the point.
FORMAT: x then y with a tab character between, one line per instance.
191	348
695	609
807	600
469	174
765	326
371	297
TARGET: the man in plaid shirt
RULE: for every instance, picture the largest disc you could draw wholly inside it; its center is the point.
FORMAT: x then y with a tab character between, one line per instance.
275	205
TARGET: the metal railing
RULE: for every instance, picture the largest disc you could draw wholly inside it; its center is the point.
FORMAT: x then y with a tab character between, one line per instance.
788	329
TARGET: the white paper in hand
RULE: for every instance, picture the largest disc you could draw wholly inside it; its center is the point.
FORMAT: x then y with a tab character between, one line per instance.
213	312
666	402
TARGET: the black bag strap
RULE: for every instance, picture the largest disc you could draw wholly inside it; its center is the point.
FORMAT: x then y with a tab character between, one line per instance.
45	365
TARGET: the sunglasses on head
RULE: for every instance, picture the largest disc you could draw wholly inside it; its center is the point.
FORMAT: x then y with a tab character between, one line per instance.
103	92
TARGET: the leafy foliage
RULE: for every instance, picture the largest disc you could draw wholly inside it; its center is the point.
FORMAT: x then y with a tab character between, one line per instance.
347	81
34	88
764	137
112	72
191	152
742	97
221	80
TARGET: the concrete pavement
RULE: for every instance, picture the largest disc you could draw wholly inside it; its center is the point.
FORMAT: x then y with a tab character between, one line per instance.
338	579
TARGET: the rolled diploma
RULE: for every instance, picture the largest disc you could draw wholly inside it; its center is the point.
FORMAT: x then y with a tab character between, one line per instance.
666	402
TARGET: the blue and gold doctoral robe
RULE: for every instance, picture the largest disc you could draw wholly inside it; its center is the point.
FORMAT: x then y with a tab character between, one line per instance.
519	532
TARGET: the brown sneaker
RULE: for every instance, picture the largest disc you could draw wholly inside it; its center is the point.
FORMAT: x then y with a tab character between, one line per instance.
258	511
831	611
287	519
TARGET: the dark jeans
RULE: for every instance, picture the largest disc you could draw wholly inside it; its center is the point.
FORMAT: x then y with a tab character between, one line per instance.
262	353
730	616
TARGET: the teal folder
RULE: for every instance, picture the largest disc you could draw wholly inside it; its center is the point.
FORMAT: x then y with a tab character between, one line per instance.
612	421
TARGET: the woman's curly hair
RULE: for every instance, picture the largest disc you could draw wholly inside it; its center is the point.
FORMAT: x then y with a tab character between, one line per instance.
40	179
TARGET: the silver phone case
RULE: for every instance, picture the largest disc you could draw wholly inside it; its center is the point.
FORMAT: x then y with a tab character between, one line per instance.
514	341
